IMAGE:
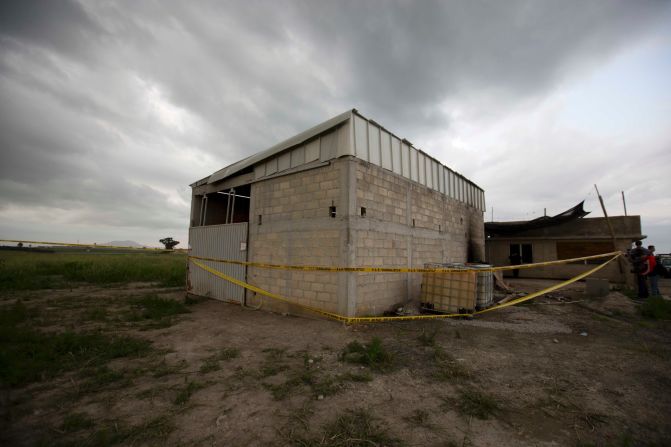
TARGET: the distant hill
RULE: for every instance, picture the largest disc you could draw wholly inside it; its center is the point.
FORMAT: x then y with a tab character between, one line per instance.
123	244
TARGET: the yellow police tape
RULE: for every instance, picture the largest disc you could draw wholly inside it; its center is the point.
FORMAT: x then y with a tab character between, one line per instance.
68	244
317	268
351	320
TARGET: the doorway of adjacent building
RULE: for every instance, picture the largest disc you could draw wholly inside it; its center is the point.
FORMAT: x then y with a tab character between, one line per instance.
523	251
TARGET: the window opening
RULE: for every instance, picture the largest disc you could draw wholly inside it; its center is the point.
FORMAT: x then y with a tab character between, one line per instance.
226	207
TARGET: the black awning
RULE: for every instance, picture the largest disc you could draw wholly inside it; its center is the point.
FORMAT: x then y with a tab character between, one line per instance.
504	228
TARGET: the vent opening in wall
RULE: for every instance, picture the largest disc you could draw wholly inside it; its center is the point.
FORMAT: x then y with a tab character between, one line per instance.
332	211
260	219
413	222
363	211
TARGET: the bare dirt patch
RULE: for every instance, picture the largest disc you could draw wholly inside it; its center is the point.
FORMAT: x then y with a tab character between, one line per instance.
562	370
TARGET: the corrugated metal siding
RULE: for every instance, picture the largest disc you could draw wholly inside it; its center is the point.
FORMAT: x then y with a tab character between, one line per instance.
369	142
218	241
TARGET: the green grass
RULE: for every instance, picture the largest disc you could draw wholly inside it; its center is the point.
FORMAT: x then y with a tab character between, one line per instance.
28	355
372	355
656	308
156	309
32	271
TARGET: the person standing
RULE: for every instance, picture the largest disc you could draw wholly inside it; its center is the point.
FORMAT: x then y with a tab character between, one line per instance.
651	271
638	256
515	259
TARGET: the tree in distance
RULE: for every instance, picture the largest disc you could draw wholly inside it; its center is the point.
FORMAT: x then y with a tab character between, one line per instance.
169	243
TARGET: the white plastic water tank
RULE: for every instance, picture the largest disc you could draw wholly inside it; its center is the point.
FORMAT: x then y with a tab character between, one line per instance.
485	286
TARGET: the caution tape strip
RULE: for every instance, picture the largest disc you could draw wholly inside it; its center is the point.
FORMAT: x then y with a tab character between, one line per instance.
351	320
316	268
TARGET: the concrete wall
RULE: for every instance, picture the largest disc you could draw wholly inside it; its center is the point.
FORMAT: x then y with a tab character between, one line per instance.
296	228
406	225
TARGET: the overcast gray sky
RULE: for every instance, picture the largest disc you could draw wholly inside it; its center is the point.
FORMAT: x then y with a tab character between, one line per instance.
108	110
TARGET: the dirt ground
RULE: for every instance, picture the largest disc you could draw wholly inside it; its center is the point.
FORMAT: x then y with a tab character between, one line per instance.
563	370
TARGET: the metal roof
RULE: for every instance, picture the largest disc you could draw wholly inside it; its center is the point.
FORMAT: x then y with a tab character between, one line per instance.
286	144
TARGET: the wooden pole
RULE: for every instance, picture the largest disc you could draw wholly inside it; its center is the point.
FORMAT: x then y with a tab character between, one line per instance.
620	261
624	202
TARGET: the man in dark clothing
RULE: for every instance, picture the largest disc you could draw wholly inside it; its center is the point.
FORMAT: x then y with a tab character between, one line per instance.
638	256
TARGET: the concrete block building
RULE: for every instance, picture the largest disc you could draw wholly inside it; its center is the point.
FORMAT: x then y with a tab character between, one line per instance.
345	193
566	236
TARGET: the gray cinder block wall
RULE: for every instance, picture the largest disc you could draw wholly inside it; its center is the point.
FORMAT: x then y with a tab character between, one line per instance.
402	224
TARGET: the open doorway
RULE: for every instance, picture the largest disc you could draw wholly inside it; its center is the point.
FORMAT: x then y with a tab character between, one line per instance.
523	252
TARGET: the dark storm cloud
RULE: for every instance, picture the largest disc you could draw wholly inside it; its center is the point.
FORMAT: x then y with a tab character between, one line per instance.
60	25
116	107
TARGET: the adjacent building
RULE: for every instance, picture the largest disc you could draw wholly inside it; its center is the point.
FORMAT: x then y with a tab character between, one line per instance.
564	236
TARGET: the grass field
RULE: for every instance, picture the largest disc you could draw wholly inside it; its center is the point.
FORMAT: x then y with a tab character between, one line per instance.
32	271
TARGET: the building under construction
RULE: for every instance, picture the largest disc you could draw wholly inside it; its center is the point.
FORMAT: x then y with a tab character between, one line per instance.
564	236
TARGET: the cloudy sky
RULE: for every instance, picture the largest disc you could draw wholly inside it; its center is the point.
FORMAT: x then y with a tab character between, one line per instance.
109	110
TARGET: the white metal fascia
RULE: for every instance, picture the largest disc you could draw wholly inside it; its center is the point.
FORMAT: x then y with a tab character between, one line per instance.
286	144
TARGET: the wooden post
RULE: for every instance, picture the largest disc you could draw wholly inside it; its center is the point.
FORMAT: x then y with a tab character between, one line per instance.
624	202
620	261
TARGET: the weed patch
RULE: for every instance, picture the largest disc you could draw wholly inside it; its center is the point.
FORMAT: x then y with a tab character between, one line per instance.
356	427
153	307
212	363
372	355
102	377
185	393
163	369
428	338
150	432
419	418
274	362
656	308
356	377
76	421
472	402
95	314
27	355
446	368
192	300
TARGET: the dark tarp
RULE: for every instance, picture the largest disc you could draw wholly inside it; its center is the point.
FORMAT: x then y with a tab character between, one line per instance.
505	228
